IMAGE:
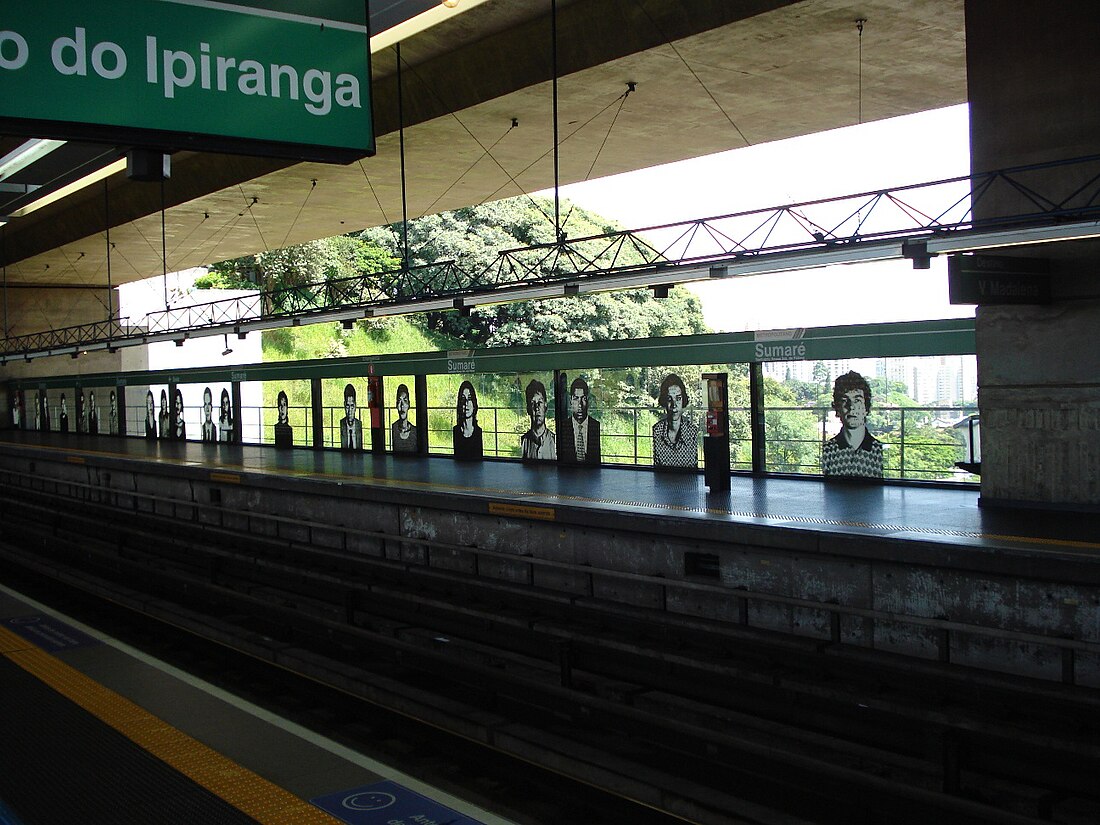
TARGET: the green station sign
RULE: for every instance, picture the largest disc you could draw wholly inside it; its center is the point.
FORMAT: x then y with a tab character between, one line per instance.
251	77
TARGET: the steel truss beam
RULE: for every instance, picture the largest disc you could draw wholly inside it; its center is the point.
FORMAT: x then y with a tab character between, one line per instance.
1034	204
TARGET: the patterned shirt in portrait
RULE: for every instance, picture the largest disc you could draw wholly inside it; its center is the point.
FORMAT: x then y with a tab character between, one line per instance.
539	449
838	458
683	451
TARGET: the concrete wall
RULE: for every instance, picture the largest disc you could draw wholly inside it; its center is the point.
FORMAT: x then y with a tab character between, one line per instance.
641	563
1035	97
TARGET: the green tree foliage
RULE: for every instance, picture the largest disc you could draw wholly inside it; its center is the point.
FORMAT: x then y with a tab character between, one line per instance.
223	279
323	263
793	437
473	237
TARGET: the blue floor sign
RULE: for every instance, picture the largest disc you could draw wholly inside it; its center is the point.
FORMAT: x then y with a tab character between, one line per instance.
49	633
387	803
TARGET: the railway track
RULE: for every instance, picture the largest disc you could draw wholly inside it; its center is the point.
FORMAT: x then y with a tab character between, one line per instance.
702	720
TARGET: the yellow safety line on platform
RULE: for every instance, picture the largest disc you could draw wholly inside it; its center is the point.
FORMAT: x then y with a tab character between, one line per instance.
435	485
253	795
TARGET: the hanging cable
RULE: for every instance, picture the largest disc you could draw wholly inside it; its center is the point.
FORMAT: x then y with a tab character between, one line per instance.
107	224
248	209
312	186
630	87
4	255
163	245
185	238
542	157
699	80
401	139
554	70
859	28
470	168
465	128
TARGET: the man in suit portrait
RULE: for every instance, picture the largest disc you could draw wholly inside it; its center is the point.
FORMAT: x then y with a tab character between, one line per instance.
351	428
580	442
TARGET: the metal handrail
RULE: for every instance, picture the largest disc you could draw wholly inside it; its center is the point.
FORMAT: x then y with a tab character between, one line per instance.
832	226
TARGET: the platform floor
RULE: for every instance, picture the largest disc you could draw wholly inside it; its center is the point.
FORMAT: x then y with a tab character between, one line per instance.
95	731
922	512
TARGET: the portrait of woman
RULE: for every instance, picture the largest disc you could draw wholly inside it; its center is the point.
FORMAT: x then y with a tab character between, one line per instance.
164	421
284	433
675	437
180	429
467	434
403	431
225	419
150	415
93	414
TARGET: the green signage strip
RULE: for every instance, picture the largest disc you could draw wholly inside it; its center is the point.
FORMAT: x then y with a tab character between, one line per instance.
190	74
893	340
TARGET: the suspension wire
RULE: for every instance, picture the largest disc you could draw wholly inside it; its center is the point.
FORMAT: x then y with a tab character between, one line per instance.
474	137
404	191
554	71
4	256
312	186
859	28
687	65
107	223
630	87
163	245
537	160
205	218
470	168
251	214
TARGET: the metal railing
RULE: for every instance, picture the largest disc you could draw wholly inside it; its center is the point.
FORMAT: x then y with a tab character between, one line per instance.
835	229
897	428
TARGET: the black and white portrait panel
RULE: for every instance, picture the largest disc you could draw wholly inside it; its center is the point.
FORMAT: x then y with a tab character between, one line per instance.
151	429
580	443
112	414
403	431
284	433
164	417
225	418
179	427
47	422
209	430
853	451
93	414
17	409
63	415
351	428
467	437
675	436
539	442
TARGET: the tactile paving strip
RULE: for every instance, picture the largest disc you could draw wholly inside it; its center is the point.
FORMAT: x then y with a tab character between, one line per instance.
100	758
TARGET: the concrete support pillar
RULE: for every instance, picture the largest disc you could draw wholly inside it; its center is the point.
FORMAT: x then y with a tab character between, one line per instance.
1035	97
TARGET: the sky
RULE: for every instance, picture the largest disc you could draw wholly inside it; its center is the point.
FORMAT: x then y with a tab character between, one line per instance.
918	148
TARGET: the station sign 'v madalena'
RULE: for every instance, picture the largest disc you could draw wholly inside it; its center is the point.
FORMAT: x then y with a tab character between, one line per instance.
256	77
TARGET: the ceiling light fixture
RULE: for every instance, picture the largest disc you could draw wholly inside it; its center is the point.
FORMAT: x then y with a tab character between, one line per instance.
26	154
69	188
